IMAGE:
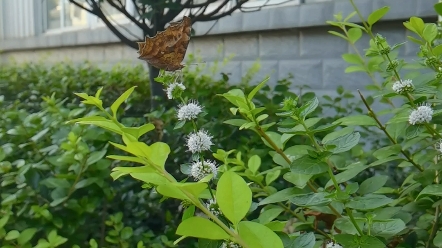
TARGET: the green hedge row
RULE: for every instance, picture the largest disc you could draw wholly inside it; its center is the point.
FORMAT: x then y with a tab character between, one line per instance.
56	188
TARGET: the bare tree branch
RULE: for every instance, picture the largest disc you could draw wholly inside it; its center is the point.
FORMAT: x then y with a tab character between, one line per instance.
213	15
127	14
99	13
137	8
81	7
120	26
189	5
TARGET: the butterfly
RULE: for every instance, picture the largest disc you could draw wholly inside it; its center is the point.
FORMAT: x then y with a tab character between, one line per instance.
166	50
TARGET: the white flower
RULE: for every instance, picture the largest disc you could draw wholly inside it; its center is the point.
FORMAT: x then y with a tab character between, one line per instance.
213	207
199	170
199	141
439	146
174	89
230	244
422	114
403	86
189	111
331	244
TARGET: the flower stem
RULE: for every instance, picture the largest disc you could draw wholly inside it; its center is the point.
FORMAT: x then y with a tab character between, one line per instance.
353	220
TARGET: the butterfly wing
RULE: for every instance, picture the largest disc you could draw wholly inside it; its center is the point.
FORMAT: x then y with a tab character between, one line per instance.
166	50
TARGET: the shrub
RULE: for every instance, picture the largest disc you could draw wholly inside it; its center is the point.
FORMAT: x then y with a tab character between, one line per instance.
55	183
246	201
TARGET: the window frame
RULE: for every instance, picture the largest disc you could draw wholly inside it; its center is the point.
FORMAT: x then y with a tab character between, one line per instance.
62	28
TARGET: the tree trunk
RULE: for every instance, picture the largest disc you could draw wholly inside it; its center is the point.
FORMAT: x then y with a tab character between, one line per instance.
157	93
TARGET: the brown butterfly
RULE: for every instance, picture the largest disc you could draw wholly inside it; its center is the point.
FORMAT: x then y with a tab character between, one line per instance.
166	50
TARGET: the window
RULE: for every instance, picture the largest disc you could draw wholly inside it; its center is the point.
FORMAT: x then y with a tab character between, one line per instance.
61	14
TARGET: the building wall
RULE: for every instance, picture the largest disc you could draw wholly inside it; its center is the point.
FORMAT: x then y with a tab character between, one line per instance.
287	40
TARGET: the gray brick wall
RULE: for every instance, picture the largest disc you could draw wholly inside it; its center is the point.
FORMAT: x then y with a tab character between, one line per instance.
290	40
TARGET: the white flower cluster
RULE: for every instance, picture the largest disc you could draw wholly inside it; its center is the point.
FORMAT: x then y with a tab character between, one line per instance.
199	141
199	169
423	114
174	90
403	86
439	146
189	111
230	244
333	245
213	207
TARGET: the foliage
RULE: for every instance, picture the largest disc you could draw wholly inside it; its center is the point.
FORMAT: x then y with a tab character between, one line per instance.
55	184
310	193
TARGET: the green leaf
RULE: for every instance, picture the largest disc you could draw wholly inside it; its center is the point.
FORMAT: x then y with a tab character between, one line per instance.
356	120
234	196
299	180
352	58
338	34
160	152
199	227
85	182
369	202
26	235
126	233
347	175
269	215
276	139
437	241
153	178
311	199
58	201
346	226
93	243
11	235
430	32
308	166
258	236
3	221
280	196
188	212
344	143
95	157
370	242
40	134
348	240
121	171
387	228
354	68
100	122
434	189
257	88
126	158
417	24
9	199
272	176
236	122
207	243
308	107
114	107
354	34
172	191
387	151
377	15
372	184
438	8
254	163
56	183
305	240
194	188
56	240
